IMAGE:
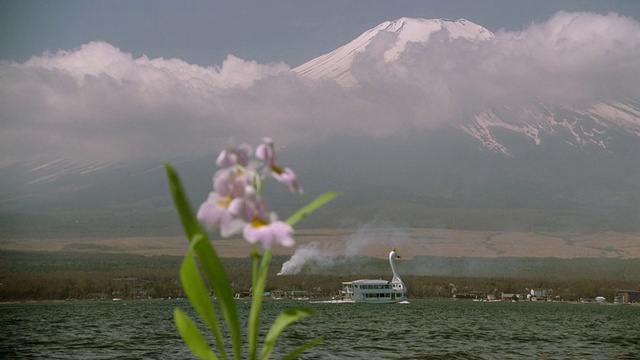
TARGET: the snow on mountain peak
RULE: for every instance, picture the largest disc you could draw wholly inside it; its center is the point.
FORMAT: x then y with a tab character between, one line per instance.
336	64
419	30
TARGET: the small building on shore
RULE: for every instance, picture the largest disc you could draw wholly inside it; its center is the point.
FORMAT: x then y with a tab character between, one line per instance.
512	297
626	296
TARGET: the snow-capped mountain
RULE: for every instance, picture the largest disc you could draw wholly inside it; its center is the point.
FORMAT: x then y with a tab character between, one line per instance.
495	165
581	128
336	64
545	154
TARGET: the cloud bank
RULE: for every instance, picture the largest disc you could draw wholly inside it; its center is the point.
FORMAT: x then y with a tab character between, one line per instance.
97	103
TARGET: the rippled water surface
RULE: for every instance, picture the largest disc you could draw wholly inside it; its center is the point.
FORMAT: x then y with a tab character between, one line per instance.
419	330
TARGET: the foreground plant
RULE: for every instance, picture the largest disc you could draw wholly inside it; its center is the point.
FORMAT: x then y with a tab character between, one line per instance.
236	206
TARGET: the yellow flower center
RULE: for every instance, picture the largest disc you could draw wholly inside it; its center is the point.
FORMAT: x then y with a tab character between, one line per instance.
224	202
257	222
276	169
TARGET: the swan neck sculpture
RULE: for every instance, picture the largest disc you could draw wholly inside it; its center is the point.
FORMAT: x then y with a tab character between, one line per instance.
396	278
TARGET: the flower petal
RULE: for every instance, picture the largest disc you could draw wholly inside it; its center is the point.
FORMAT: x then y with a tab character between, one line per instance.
277	232
288	177
209	214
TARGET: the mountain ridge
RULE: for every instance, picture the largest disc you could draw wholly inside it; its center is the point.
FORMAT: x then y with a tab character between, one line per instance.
335	64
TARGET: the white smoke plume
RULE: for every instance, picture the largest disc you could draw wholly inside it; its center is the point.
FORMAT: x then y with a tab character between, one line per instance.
367	241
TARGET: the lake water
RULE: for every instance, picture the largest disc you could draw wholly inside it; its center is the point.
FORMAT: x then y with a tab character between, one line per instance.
419	330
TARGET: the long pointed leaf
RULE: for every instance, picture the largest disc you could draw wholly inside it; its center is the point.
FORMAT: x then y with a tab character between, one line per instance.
221	286
311	207
187	218
209	260
192	336
297	352
283	320
199	297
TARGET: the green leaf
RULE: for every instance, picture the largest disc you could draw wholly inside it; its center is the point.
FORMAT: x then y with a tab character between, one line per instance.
189	222
191	336
283	321
297	352
209	260
213	269
199	297
256	302
311	207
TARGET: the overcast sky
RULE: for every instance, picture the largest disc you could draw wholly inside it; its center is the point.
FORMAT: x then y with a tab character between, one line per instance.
205	32
117	80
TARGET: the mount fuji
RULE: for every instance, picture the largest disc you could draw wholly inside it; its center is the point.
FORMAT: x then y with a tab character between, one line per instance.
540	154
463	128
597	126
336	64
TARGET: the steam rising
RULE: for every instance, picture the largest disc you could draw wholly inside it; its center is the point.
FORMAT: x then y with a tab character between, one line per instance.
367	241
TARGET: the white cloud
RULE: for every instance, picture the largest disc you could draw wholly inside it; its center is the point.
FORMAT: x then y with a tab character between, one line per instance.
574	59
98	103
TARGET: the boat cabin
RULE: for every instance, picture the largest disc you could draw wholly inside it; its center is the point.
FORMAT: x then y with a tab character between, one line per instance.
373	291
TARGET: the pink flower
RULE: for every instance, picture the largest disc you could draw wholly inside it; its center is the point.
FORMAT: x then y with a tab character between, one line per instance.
249	206
266	152
230	182
235	203
232	156
214	212
276	232
288	178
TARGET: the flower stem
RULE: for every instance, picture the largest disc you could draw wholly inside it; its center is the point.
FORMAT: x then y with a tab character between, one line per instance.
259	283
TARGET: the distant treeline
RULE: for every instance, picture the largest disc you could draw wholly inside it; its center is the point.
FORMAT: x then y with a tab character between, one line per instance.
83	275
505	267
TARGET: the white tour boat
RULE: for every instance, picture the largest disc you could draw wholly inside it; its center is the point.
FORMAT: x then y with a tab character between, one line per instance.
376	291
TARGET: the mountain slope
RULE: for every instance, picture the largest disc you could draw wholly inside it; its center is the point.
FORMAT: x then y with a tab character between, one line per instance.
592	128
336	64
596	126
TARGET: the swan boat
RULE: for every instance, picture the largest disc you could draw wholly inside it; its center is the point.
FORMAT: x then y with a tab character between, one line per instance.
376	291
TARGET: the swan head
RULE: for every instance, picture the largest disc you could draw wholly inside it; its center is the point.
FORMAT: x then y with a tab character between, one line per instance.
393	254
